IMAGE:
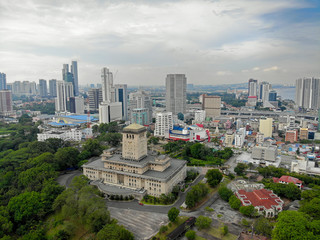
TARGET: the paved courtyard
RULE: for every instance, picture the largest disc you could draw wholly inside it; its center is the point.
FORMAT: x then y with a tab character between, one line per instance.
142	224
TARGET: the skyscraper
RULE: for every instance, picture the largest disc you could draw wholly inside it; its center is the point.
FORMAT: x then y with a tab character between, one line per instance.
53	87
43	91
71	77
176	93
64	92
107	84
264	89
211	105
5	102
140	99
121	95
307	93
252	87
95	98
74	71
3	81
109	109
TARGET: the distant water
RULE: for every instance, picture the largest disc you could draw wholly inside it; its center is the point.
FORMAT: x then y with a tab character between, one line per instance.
287	93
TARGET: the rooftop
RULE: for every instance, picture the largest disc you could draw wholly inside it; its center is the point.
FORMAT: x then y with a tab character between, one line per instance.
175	166
136	128
260	197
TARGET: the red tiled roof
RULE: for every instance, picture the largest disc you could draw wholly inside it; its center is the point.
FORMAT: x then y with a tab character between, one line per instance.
261	197
289	179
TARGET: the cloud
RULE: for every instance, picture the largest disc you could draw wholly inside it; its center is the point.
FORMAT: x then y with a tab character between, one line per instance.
145	40
274	68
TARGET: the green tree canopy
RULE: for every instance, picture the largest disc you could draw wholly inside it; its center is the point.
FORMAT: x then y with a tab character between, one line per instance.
67	157
203	222
114	232
234	202
248	211
173	214
225	193
214	177
93	146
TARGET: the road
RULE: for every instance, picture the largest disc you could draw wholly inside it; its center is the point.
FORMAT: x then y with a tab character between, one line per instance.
134	205
65	179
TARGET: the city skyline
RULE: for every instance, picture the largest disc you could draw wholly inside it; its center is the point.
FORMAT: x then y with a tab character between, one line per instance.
142	42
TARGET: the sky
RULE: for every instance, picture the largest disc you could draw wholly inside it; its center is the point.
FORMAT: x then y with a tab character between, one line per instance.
212	42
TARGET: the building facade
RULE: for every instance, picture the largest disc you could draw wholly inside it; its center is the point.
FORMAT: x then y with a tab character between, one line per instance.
134	169
5	102
307	93
265	127
95	98
141	99
140	116
212	106
176	93
3	81
252	87
164	123
53	88
43	90
121	95
265	153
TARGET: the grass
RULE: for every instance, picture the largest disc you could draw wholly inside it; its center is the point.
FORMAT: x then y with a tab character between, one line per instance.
180	220
215	232
149	203
199	238
209	209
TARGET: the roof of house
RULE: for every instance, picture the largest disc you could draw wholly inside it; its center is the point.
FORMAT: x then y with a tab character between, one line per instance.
260	197
287	179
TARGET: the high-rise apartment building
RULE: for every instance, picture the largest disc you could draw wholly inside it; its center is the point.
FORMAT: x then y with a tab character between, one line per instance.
140	99
24	88
53	87
74	71
307	93
176	93
264	90
109	109
199	116
252	87
3	81
43	90
76	105
95	98
140	116
212	105
265	127
64	92
71	77
5	102
121	95
164	123
107	85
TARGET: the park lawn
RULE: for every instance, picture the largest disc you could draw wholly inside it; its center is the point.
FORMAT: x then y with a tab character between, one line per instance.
215	232
180	220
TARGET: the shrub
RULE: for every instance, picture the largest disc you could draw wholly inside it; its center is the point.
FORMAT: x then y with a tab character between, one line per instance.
190	235
163	229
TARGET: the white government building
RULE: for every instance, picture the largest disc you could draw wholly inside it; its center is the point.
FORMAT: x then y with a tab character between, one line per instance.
134	168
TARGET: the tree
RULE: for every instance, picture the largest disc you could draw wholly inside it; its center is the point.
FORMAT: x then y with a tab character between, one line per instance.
173	214
291	225
93	146
214	177
114	232
180	116
26	207
67	157
263	226
239	169
312	208
56	143
196	150
190	235
112	138
225	193
234	202
224	230
163	229
203	222
247	210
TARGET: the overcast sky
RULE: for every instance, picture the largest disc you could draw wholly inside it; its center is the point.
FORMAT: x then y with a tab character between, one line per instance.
212	42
